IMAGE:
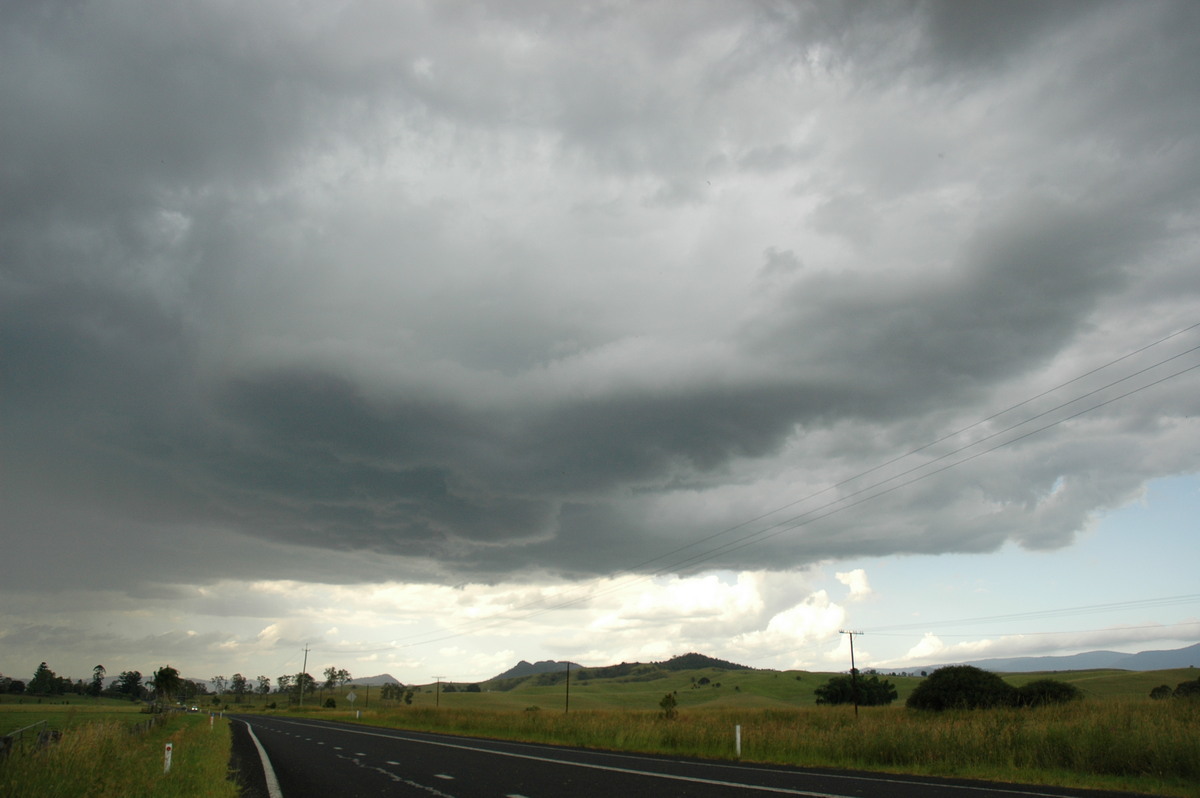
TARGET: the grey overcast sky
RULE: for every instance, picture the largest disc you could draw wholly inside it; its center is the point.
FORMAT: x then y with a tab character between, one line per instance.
439	335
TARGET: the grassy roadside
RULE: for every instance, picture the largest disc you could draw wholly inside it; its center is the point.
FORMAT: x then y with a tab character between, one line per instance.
103	759
1135	746
66	716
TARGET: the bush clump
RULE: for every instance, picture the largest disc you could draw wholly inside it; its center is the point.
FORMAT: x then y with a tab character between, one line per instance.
962	687
1047	691
1187	689
872	691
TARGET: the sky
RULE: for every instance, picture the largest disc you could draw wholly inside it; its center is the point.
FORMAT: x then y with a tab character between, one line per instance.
436	336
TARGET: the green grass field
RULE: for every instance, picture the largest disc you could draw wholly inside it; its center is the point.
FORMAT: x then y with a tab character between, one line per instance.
98	757
1116	738
61	713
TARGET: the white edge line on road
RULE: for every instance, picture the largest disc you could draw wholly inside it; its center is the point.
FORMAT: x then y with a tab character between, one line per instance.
609	768
273	790
399	735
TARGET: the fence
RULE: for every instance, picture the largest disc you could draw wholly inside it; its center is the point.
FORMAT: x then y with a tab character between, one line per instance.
23	738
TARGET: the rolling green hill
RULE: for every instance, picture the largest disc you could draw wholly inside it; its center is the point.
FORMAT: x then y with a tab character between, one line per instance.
699	681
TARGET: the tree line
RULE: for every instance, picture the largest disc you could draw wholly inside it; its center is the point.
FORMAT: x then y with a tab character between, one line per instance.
166	683
129	684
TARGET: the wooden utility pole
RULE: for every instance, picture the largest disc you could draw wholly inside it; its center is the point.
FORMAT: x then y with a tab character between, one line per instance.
567	708
437	695
303	673
853	670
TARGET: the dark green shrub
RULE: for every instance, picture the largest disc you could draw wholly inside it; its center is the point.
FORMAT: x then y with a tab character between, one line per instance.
1047	691
1188	689
962	687
667	705
872	691
330	703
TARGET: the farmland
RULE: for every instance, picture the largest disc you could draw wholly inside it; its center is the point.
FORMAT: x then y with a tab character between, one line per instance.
1116	738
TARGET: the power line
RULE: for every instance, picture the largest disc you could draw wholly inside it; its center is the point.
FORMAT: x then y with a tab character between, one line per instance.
834	507
1166	628
1087	609
811	516
840	504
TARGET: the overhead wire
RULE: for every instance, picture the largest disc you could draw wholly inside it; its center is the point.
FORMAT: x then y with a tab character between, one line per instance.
1060	612
637	575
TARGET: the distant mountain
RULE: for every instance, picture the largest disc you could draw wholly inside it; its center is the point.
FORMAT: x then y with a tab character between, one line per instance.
691	662
1161	660
683	662
523	668
1090	660
383	678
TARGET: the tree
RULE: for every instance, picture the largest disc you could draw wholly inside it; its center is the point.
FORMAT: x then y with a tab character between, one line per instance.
336	676
97	685
237	686
264	685
129	684
304	684
1161	692
667	705
1047	691
167	684
962	687
218	683
44	682
872	691
188	690
284	683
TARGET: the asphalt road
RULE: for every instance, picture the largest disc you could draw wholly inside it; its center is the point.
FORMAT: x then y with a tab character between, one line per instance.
323	759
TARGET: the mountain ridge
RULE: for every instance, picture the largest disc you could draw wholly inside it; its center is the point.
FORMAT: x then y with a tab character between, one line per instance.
1156	660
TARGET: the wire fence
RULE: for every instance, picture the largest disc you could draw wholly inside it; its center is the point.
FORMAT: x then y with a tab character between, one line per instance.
24	739
39	735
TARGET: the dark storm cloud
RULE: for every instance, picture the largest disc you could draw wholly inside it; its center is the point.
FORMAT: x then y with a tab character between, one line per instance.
461	288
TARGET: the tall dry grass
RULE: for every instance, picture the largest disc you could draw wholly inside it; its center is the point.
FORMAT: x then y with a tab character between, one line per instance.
106	760
1143	746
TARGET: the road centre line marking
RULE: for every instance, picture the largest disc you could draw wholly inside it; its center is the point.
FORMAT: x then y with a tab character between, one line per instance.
273	790
399	735
609	768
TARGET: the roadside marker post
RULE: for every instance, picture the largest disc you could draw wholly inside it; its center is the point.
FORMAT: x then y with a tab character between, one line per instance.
167	759
737	735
